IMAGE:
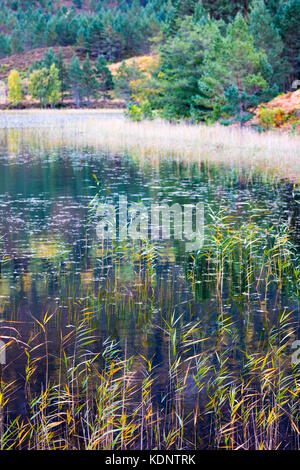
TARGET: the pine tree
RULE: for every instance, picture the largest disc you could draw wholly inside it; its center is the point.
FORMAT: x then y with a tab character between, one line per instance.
39	31
54	85
77	3
181	66
112	46
226	9
62	74
267	37
200	13
89	83
93	5
126	75
50	35
4	45
187	7
94	37
176	14
288	23
14	87
16	42
49	58
80	42
104	76
62	29
75	79
234	70
273	6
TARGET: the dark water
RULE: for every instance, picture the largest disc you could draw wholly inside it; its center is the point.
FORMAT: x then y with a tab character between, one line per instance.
55	263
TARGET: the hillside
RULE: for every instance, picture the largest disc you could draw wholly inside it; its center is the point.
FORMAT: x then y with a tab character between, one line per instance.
23	62
254	59
145	63
282	112
115	29
69	4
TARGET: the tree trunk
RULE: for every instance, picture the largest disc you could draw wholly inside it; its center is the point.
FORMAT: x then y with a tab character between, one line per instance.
77	100
241	114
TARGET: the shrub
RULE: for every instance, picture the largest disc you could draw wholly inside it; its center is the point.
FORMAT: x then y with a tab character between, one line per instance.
138	112
269	118
134	112
266	117
146	109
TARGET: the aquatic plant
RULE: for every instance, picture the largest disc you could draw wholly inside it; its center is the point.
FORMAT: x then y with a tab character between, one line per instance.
224	382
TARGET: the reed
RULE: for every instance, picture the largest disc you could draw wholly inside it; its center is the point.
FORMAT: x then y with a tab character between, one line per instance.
225	381
270	152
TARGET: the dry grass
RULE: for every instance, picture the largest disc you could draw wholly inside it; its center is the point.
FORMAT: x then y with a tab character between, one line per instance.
102	399
145	63
273	153
24	61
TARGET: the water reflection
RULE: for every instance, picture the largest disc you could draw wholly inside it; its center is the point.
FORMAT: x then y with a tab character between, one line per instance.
54	262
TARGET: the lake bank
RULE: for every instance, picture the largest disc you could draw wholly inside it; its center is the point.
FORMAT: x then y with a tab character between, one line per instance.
272	153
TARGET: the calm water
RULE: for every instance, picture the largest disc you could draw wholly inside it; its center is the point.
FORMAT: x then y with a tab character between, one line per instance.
56	264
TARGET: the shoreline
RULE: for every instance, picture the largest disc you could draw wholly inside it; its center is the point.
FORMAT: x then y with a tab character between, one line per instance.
63	106
275	154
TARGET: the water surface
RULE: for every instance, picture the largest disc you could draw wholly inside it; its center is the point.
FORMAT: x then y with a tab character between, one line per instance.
52	260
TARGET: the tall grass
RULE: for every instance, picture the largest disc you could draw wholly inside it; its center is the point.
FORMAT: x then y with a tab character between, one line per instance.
225	377
270	152
224	382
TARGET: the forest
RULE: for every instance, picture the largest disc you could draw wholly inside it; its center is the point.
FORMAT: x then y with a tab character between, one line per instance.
216	60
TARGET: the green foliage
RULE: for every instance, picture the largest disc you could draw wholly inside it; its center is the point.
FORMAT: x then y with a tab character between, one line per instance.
16	42
4	45
94	37
288	22
14	87
225	9
75	79
44	85
62	74
138	112
103	76
181	66
134	112
234	70
125	78
266	118
179	10
267	37
89	80
146	109
89	85
187	34
78	3
49	59
271	117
